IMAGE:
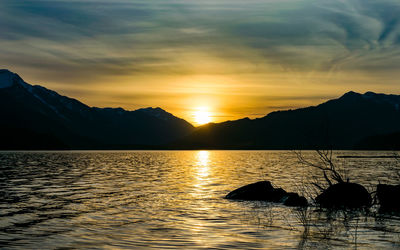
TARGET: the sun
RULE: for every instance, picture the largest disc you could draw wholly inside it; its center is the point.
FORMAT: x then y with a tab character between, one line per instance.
202	116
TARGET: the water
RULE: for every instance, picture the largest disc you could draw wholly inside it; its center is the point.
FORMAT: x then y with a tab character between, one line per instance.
172	199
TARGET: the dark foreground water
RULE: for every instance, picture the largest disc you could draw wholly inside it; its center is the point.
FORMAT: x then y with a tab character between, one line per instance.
141	200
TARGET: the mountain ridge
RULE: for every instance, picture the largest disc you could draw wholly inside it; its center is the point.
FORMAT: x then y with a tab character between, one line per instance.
14	78
34	117
340	123
34	109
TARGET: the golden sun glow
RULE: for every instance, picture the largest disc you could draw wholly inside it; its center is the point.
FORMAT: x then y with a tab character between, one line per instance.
202	116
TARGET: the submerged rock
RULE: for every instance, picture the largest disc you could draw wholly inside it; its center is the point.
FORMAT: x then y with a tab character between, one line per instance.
295	200
277	195
388	196
264	191
256	191
344	195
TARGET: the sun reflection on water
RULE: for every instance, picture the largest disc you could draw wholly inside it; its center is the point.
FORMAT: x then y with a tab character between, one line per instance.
201	173
203	160
148	199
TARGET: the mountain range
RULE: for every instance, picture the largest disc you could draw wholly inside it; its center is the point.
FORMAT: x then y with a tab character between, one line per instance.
33	117
353	121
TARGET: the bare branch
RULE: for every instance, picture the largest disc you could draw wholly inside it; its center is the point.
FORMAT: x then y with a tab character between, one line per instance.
327	179
325	163
318	186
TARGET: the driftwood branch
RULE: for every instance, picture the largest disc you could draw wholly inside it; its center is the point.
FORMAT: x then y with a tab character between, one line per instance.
318	186
325	163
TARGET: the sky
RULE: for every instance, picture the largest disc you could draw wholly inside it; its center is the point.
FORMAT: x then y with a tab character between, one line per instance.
228	59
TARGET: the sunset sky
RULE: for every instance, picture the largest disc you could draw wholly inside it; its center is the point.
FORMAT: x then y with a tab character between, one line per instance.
228	59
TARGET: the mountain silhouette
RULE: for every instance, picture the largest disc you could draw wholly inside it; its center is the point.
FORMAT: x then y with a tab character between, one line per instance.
33	117
389	141
342	123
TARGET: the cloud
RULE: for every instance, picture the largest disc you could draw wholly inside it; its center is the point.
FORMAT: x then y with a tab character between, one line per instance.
296	44
297	35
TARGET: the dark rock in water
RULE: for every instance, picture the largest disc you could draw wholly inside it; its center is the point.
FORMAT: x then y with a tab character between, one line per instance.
295	200
277	195
344	195
256	191
264	191
388	196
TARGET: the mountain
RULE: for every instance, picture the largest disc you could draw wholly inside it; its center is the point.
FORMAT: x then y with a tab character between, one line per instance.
33	117
389	141
342	123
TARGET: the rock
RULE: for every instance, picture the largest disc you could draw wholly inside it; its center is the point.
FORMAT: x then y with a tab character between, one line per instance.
388	196
264	191
261	190
344	195
295	200
277	195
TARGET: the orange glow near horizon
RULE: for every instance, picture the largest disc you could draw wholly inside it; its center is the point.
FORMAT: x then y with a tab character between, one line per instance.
200	99
202	115
237	60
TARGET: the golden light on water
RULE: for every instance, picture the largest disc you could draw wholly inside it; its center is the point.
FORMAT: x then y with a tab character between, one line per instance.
202	163
202	116
203	158
202	173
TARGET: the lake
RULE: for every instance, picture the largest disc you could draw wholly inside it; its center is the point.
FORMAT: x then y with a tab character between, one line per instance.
174	199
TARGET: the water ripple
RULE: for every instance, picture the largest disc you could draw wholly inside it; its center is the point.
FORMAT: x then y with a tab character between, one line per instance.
153	200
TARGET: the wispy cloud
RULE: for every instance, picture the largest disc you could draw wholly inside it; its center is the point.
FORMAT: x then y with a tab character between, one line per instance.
296	44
